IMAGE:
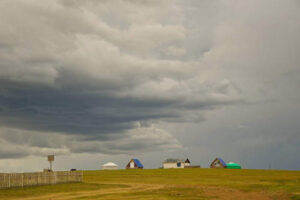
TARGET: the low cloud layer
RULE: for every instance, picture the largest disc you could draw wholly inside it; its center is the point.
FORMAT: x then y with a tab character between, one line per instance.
65	69
19	143
111	77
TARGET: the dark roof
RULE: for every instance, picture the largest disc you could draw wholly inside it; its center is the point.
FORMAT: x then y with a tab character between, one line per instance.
175	160
222	162
172	160
138	163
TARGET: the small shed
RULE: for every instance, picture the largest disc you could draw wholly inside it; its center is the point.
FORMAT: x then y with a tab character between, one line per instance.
109	166
218	163
134	164
232	165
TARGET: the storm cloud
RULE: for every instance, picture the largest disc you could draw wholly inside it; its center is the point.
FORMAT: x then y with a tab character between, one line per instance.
117	77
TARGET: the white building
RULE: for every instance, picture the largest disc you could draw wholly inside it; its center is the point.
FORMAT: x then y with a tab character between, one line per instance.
109	166
176	163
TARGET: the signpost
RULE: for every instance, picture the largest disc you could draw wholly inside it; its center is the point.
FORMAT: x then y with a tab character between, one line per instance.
50	159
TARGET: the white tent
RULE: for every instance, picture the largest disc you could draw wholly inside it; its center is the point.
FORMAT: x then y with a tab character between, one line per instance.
109	166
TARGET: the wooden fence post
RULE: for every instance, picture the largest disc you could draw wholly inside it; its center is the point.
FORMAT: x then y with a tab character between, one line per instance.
8	180
22	176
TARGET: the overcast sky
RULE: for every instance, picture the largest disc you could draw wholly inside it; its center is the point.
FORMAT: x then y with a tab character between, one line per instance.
97	81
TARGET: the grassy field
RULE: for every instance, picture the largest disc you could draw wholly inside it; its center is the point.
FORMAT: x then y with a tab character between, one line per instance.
170	184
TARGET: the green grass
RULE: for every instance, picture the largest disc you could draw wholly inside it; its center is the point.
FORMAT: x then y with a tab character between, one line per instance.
180	194
51	189
239	179
172	184
165	193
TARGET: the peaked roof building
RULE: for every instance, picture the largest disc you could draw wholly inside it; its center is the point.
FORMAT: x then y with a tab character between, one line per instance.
134	164
218	163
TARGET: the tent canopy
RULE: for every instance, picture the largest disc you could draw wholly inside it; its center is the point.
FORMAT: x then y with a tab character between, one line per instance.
138	163
109	164
232	165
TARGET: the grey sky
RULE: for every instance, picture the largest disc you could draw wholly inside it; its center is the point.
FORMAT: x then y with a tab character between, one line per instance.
98	81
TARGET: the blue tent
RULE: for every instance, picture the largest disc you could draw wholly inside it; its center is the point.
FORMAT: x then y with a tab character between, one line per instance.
138	163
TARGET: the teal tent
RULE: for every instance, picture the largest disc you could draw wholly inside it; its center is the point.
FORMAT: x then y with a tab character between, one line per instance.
232	165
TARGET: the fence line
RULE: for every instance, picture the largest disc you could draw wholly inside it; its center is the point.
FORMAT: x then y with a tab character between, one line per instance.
9	180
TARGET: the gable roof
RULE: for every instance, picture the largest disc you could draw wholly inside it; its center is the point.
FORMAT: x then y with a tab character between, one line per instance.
138	163
222	162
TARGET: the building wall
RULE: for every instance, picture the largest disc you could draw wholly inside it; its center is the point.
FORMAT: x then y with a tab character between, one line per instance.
132	164
187	164
172	165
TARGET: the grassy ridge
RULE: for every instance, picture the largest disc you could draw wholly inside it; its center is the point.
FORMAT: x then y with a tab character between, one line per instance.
172	184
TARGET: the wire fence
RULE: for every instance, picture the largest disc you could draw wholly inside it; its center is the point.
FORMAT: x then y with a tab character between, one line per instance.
10	180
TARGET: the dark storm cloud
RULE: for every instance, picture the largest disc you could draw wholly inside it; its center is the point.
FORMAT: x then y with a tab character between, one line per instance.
76	112
96	82
90	113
